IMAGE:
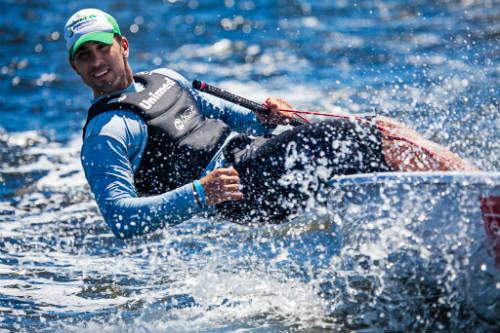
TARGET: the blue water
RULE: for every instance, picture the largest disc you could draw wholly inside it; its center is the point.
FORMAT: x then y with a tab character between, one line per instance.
434	65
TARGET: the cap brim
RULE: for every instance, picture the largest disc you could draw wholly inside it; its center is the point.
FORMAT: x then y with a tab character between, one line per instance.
99	36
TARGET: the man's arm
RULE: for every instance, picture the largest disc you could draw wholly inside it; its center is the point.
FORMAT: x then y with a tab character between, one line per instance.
238	118
109	152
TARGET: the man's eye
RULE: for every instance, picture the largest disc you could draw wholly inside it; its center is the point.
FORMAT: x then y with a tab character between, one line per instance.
103	47
82	55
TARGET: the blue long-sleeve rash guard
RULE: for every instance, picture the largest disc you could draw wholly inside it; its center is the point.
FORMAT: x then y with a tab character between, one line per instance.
111	153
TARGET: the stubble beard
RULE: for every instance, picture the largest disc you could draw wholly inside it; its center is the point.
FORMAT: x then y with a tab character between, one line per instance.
117	82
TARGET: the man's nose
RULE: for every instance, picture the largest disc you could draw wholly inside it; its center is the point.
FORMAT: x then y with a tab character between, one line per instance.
96	59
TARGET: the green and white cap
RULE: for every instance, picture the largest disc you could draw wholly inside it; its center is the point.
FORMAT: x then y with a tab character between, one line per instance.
88	25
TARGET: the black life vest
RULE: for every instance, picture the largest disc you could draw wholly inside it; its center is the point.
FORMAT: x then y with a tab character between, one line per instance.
181	141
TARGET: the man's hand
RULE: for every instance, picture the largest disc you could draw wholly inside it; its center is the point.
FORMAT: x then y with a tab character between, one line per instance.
221	185
276	117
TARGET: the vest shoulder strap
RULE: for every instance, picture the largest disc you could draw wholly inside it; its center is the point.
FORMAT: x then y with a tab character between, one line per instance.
144	102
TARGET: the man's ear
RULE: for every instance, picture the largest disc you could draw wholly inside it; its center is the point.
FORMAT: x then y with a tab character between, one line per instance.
124	46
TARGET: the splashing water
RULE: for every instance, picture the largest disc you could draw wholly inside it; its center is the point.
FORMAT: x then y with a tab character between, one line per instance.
407	254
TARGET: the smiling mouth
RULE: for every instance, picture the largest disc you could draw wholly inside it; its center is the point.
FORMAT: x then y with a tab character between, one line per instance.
100	74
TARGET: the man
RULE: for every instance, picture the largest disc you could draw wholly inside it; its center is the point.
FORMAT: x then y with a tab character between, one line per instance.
156	152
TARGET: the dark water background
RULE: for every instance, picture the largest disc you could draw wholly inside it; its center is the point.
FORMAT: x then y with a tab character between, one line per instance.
432	64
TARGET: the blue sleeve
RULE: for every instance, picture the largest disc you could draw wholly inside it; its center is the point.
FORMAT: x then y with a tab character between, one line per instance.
109	154
238	118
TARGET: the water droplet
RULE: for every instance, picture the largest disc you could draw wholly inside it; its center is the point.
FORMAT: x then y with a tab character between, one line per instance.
483	267
22	64
55	35
157	61
134	28
139	20
16	80
247	29
193	4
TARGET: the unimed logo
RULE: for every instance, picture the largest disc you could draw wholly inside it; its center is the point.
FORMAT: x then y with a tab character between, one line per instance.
155	96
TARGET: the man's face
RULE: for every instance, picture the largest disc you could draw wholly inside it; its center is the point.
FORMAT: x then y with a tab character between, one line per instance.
103	67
